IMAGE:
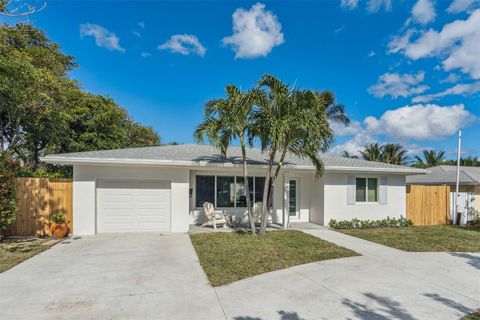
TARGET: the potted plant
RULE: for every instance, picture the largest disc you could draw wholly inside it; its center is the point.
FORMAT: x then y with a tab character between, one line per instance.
59	228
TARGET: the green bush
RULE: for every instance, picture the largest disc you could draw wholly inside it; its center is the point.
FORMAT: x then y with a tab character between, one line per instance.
41	173
8	198
365	224
58	218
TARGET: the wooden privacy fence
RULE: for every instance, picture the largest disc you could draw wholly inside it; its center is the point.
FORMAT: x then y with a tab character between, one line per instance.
428	205
38	199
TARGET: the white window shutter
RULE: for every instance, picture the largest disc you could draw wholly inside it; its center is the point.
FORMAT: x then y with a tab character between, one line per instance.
382	190
351	186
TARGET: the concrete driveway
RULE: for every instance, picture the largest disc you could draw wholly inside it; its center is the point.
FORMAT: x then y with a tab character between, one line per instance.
136	276
159	277
383	283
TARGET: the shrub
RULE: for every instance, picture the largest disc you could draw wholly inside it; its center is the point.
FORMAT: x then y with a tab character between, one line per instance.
8	197
365	224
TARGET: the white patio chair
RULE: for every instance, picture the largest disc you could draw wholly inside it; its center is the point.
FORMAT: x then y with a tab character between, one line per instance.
257	212
213	217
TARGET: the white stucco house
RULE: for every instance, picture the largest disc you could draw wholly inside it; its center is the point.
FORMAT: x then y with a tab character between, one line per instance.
162	189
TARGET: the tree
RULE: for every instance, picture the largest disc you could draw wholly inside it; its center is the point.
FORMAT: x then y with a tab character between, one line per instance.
431	158
16	8
467	162
372	152
394	153
470	161
139	135
346	154
43	111
226	120
8	198
292	121
32	83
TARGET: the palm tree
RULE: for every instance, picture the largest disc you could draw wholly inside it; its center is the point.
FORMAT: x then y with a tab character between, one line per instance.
470	161
226	120
431	158
394	153
292	121
347	154
372	152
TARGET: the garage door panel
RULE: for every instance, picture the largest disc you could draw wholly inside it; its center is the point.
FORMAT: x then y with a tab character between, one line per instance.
133	206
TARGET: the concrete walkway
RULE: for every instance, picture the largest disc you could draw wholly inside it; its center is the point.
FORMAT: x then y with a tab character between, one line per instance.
136	276
383	283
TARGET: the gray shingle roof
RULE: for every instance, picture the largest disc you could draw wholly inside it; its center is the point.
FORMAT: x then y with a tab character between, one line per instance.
447	175
191	154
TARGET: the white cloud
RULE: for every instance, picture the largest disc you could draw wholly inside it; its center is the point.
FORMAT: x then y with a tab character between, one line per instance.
404	125
398	85
136	34
349	4
255	32
423	11
141	24
399	43
354	145
458	44
103	37
452	78
371	54
341	130
184	44
459	89
420	122
377	5
145	54
458	6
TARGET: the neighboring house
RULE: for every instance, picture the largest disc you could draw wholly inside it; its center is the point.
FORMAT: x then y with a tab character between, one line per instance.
469	184
163	188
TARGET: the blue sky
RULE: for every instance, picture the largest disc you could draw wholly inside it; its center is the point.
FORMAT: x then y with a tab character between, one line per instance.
406	71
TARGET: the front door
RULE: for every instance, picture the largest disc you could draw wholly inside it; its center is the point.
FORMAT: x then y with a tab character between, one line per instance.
293	210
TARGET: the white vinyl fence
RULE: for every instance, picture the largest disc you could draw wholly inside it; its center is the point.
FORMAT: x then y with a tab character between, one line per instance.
465	201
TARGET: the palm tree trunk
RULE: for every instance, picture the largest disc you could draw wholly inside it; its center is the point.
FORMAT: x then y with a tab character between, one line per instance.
266	193
251	220
275	176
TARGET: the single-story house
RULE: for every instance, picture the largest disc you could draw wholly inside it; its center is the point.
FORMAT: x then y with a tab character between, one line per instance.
162	188
469	183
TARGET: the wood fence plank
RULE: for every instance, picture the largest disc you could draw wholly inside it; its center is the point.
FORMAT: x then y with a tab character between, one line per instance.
428	205
38	199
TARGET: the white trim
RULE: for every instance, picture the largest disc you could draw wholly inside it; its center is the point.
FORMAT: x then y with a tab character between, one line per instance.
186	163
297	200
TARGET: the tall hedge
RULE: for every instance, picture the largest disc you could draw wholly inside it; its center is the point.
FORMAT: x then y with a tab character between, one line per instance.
8	199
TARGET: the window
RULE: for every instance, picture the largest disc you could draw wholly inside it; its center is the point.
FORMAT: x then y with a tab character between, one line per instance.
227	191
366	190
259	185
292	198
240	194
204	190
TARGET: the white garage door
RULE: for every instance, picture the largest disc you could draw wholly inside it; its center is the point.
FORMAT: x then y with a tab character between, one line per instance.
133	206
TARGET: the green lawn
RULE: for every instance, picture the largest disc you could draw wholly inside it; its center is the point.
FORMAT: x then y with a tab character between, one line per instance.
422	238
472	316
12	252
227	257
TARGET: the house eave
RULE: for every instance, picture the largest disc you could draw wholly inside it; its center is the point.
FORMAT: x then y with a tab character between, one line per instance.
199	164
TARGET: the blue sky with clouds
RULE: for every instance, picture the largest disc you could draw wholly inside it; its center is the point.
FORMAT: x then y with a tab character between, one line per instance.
406	71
